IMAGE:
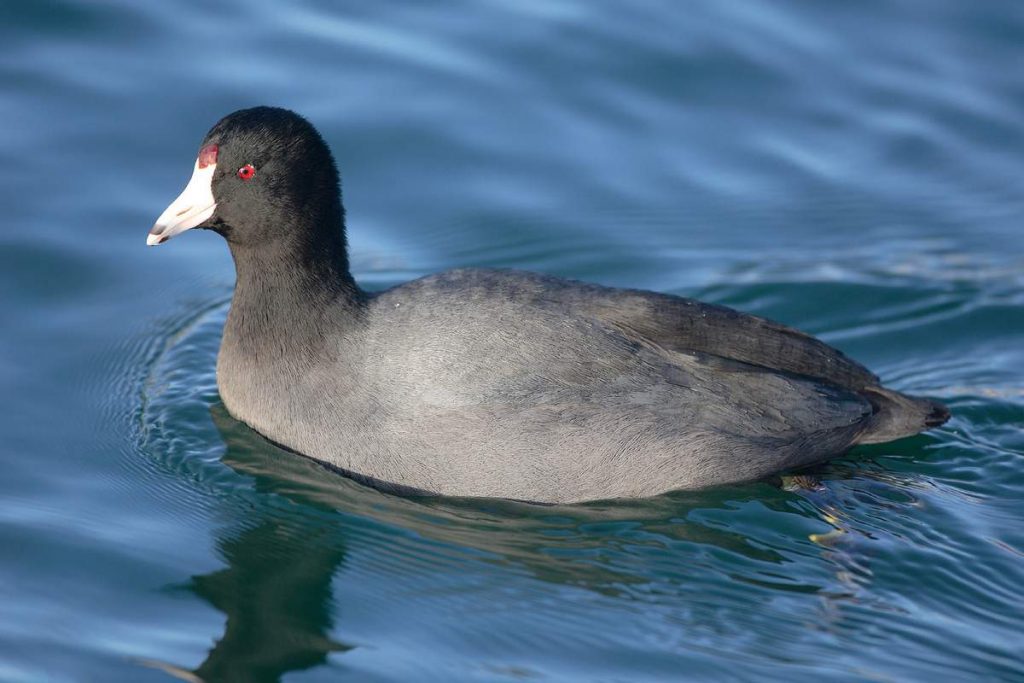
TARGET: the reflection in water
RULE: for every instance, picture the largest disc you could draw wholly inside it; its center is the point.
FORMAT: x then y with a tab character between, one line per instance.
275	591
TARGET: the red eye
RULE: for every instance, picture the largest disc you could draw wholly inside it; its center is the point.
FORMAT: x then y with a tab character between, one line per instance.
246	172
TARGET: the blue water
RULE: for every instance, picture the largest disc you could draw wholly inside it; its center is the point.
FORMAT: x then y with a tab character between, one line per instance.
853	169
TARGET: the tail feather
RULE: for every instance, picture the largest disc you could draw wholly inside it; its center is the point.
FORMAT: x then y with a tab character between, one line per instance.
899	415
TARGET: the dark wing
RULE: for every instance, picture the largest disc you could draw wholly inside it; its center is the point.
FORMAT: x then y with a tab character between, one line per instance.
685	325
680	324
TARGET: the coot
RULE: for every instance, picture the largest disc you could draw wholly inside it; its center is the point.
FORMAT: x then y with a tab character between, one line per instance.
496	382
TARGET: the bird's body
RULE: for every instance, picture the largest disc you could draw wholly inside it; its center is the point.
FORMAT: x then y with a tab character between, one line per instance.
517	385
510	384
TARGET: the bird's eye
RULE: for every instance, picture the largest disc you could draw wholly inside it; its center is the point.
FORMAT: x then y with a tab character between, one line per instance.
247	172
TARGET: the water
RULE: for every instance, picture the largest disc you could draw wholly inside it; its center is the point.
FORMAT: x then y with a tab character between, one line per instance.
852	170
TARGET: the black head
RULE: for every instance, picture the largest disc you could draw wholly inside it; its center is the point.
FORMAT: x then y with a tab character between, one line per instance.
263	178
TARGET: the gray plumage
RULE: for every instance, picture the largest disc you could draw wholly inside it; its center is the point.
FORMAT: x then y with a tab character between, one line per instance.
503	383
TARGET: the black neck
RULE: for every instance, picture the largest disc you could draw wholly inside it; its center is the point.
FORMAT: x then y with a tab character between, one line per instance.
292	288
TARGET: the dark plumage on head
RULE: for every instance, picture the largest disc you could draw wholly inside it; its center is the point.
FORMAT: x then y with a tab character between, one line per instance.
293	197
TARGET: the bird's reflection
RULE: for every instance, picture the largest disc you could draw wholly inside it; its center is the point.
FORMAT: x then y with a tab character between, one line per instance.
276	591
276	588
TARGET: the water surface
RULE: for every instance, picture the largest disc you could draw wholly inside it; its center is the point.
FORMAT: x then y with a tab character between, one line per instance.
854	171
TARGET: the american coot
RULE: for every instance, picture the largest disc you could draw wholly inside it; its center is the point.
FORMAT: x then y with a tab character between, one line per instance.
493	382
